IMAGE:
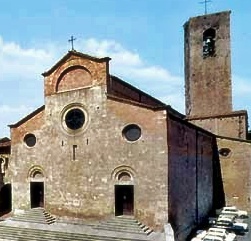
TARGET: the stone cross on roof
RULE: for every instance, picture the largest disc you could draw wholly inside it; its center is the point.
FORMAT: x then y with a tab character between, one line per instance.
71	40
205	2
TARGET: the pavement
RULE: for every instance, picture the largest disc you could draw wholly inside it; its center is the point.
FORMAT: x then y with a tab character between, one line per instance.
246	236
71	228
105	230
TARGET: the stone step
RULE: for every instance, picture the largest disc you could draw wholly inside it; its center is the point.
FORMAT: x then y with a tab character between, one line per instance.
122	230
23	234
123	220
124	224
36	215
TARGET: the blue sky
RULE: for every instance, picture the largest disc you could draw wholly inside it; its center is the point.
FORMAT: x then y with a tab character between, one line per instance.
144	38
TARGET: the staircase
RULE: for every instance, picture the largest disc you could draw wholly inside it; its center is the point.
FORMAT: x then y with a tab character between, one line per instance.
124	224
33	225
17	233
35	215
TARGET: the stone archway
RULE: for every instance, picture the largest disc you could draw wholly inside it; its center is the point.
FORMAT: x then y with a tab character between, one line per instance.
36	187
124	200
123	191
5	199
36	194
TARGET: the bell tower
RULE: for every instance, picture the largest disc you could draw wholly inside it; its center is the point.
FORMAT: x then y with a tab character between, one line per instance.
208	85
208	89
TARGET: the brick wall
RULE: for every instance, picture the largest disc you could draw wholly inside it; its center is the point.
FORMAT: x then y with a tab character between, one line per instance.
236	172
190	176
98	70
232	125
208	80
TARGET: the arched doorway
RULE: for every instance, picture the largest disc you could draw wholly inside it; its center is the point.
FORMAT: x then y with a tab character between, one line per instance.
5	199
36	188
37	194
124	199
124	194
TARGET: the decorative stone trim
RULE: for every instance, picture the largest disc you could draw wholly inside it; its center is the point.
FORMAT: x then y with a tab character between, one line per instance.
118	172
64	114
33	173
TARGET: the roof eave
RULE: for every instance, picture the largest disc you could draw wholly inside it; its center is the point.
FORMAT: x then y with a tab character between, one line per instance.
78	54
29	116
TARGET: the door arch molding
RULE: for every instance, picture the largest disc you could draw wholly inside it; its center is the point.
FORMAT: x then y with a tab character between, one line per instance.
123	177
36	180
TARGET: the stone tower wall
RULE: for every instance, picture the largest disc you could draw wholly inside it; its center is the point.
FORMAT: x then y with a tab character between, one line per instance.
208	79
233	125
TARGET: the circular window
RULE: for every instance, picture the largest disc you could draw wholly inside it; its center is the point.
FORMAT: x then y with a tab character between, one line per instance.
75	119
30	140
132	132
224	152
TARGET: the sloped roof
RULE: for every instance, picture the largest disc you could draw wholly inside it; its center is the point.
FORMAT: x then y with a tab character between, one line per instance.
227	114
116	87
27	117
77	54
122	91
5	142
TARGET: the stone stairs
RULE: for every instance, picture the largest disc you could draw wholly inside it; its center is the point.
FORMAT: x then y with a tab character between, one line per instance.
33	225
35	215
122	224
11	233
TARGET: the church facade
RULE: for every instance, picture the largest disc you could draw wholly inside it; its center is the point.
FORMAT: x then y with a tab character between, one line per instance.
100	147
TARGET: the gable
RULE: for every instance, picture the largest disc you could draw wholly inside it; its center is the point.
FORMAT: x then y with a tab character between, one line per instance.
28	124
74	71
74	78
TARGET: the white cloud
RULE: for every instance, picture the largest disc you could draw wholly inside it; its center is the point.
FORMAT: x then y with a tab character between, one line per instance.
24	65
17	62
5	109
176	100
155	80
127	62
155	74
241	86
241	93
11	115
109	48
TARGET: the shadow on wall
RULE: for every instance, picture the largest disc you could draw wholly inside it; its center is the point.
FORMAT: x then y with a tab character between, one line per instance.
249	135
195	186
218	189
5	199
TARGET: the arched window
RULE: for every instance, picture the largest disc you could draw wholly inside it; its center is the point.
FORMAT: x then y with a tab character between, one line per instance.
209	43
124	176
1	165
37	174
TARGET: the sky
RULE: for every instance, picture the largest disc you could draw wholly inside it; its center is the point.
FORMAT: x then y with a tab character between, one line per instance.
144	38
